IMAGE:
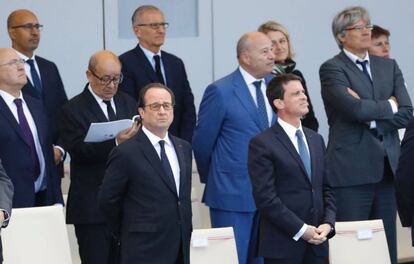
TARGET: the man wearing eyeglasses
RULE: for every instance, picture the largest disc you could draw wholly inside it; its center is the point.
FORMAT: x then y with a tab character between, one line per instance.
100	101
366	102
44	80
26	145
146	63
146	191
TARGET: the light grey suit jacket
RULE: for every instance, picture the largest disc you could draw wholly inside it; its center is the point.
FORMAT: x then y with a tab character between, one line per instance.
355	153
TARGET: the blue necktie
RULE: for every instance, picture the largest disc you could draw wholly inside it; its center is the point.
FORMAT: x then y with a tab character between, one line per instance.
35	78
303	153
364	68
165	162
261	107
158	71
25	128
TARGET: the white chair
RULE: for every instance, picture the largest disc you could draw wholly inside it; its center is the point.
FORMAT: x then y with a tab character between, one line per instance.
359	242
215	245
36	235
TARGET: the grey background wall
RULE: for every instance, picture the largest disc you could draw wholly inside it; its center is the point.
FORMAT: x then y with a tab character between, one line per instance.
75	29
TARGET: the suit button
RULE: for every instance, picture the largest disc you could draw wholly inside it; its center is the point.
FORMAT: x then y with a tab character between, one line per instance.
179	203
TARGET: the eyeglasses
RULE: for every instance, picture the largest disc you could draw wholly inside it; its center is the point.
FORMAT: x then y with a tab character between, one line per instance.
14	63
155	26
30	27
157	106
361	27
106	80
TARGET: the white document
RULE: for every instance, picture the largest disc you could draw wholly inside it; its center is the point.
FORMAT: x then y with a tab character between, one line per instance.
99	132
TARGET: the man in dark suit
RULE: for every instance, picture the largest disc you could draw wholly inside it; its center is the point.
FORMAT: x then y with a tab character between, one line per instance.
26	149
6	200
146	191
43	77
366	102
287	169
404	180
232	111
146	63
100	101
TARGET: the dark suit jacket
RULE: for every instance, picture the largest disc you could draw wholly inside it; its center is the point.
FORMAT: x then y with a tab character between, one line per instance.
54	97
88	160
141	203
6	198
14	152
284	196
404	180
138	72
355	153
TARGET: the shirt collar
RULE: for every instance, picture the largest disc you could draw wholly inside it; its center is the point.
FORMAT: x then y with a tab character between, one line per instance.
149	54
154	139
248	78
8	98
289	129
354	57
24	57
97	98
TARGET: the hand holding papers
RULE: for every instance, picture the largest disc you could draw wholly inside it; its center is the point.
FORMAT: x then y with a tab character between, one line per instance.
99	132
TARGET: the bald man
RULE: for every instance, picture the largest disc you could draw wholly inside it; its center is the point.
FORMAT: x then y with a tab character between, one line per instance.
100	101
43	78
26	145
232	111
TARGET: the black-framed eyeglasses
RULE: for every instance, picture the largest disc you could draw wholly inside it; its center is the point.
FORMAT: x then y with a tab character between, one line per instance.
361	27
155	26
106	80
16	62
157	106
30	27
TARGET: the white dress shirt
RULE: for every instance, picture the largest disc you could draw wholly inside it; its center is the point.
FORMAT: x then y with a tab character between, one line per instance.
150	56
169	151
291	132
101	103
27	66
40	183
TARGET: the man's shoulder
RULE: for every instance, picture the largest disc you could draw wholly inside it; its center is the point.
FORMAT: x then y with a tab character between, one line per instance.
227	81
43	61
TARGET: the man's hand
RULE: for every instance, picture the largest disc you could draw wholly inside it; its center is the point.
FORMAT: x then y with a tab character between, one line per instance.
353	93
2	217
57	154
322	232
394	99
127	133
309	235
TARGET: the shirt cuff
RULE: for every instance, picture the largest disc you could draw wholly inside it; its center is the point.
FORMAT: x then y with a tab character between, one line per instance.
301	232
61	151
394	106
372	124
6	217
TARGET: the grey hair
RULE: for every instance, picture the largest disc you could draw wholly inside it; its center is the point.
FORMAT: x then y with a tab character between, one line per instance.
141	10
346	18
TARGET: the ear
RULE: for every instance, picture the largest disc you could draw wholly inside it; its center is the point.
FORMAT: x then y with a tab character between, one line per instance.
137	31
341	37
279	104
88	75
11	32
141	111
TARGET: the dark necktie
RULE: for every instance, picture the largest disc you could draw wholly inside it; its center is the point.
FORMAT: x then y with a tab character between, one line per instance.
35	78
165	162
110	110
158	69
364	68
303	153
24	126
261	107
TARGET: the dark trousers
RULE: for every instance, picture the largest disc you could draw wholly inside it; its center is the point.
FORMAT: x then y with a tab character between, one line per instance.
308	257
371	201
96	244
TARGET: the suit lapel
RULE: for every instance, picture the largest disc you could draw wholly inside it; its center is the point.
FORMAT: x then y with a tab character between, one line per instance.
356	71
35	109
93	106
8	115
152	157
146	64
242	93
374	73
181	161
287	143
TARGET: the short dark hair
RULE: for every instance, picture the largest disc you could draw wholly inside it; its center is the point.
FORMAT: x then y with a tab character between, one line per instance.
275	89
143	91
378	31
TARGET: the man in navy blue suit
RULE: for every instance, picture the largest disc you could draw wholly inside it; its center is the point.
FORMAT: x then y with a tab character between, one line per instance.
232	111
147	63
44	80
26	148
288	173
